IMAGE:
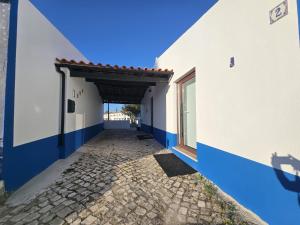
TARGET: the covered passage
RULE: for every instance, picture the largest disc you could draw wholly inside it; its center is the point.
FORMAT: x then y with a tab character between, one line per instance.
117	84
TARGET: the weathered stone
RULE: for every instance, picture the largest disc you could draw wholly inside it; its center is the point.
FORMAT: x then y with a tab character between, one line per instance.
5	218
151	215
182	210
68	202
89	220
19	217
103	210
85	213
57	221
64	212
31	217
17	209
140	211
201	204
191	220
46	209
181	218
71	218
131	205
47	217
177	184
76	222
110	199
35	222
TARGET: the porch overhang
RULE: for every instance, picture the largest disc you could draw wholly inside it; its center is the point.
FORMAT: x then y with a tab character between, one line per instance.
117	84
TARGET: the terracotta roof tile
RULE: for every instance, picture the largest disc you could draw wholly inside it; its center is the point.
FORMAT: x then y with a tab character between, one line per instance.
82	63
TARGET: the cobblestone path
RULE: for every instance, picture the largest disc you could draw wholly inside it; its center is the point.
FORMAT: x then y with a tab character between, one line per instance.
118	181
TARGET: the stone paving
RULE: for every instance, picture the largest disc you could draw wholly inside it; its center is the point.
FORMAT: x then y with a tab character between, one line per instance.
118	181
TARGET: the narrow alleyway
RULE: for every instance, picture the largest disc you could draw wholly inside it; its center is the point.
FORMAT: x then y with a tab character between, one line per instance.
118	181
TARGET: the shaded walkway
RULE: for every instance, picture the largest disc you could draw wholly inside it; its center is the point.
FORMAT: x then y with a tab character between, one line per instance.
118	181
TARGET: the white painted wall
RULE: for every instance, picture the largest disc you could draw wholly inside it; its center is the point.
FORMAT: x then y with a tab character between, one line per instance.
88	104
38	85
159	93
251	110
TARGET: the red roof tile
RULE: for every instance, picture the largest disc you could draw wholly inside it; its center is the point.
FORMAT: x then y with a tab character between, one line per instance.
99	65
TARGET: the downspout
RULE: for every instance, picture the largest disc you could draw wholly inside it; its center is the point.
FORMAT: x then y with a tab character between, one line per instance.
61	140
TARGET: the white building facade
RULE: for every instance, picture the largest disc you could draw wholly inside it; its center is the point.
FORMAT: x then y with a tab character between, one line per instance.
33	126
115	116
230	110
232	106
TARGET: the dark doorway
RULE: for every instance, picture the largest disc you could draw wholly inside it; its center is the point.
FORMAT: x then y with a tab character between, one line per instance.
151	115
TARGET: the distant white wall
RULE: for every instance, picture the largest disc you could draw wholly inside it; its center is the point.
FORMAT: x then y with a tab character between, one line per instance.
38	85
115	116
251	110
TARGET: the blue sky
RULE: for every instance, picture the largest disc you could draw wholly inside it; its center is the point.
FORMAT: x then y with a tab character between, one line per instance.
123	32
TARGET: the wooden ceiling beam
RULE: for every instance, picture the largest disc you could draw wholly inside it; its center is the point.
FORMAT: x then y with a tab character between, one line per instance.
121	83
99	76
119	70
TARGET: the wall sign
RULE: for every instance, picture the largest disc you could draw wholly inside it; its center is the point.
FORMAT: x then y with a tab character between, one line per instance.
278	12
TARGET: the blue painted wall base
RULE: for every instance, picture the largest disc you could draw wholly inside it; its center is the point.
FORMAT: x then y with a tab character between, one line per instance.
252	184
166	139
23	162
75	139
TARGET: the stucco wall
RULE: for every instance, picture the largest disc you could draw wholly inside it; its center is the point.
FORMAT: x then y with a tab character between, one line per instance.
38	85
246	108
158	93
247	113
88	104
33	98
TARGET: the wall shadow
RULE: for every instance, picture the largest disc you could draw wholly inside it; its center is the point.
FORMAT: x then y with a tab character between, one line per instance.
288	181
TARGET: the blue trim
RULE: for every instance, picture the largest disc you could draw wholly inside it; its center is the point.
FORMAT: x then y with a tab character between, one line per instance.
26	161
77	138
145	128
254	185
8	128
10	77
166	139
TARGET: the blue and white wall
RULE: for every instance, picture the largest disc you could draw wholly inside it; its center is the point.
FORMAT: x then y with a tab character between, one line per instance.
33	98
248	121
